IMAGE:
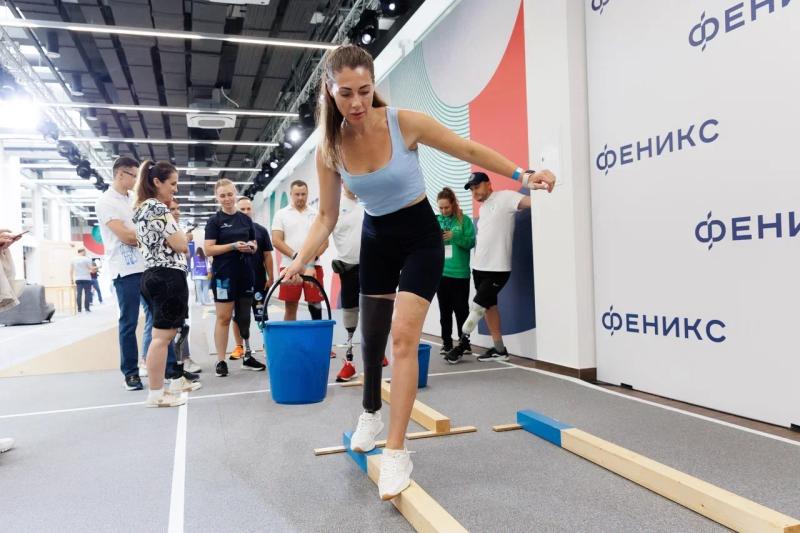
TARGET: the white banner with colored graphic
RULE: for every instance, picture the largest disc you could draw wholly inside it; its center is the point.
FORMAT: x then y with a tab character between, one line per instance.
694	115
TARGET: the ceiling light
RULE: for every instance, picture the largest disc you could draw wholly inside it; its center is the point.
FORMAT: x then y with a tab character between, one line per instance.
161	34
167	141
19	114
167	109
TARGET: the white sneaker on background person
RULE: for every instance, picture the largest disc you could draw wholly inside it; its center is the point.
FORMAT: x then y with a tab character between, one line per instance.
191	366
396	467
142	368
369	425
6	444
165	399
182	384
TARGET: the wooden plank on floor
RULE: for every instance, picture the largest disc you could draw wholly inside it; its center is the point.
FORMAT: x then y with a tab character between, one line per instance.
427	417
506	427
720	505
417	506
410	436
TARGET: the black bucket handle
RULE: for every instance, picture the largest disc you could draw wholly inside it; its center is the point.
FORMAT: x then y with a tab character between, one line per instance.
310	279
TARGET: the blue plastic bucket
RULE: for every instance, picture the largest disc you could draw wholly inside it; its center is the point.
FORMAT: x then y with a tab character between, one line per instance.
298	355
424	356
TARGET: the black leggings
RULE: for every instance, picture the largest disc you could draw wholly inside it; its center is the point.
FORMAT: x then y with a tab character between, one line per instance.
402	249
453	296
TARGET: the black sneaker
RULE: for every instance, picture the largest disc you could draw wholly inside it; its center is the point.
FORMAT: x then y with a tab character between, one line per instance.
493	355
221	369
467	345
133	383
191	376
454	356
446	348
251	363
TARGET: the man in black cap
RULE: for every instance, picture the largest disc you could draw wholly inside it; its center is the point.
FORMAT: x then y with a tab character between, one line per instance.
491	266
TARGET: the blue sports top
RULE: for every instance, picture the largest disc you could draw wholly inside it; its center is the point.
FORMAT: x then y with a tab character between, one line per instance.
394	186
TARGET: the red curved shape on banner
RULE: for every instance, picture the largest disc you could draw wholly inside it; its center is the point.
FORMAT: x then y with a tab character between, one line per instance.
92	245
498	116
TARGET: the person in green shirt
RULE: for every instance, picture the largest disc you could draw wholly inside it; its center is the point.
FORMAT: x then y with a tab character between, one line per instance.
458	233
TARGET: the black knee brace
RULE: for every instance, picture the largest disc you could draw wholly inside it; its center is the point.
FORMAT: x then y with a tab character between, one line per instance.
316	311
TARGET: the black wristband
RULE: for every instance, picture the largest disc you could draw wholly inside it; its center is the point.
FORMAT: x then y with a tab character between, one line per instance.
295	255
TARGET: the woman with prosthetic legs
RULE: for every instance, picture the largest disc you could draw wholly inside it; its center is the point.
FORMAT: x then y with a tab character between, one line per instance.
230	240
373	149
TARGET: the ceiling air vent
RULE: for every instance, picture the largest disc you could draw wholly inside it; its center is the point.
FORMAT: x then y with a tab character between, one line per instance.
201	168
210	121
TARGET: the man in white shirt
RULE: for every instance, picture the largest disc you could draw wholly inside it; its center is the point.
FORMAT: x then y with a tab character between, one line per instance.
491	266
81	270
347	240
290	226
125	263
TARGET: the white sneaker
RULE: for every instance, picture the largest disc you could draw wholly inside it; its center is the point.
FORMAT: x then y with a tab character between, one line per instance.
182	384
191	366
165	400
6	444
142	368
396	467
369	425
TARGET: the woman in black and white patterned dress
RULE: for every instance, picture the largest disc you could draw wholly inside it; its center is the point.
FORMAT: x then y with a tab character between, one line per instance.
163	245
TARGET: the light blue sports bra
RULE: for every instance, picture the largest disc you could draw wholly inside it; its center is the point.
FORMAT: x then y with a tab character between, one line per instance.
394	186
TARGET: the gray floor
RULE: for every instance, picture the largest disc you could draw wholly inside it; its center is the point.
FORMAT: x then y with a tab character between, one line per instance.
250	464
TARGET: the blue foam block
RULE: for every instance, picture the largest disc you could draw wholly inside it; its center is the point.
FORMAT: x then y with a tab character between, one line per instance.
541	426
359	458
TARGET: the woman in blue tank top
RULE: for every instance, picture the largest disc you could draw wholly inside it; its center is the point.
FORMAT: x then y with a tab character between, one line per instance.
373	148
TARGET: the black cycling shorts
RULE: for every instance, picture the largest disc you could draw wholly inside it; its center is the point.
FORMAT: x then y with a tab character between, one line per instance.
488	285
402	251
167	294
232	284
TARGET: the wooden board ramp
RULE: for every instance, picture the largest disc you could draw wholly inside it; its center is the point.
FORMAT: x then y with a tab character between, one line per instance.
722	506
410	436
425	416
417	506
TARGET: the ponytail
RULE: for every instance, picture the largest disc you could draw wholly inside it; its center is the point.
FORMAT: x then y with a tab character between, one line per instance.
149	171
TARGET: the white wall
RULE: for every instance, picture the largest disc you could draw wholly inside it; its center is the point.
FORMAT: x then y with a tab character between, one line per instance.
558	136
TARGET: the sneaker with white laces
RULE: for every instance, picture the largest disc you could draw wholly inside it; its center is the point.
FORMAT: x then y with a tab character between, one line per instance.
6	444
165	400
191	366
396	467
369	425
182	384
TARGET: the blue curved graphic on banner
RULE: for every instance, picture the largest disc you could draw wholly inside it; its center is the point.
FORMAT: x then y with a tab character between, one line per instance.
516	301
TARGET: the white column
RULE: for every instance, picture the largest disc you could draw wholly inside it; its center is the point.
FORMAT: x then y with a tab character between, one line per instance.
562	238
54	220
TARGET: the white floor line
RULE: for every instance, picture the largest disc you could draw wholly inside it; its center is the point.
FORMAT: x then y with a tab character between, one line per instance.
654	404
469	371
176	499
224	394
646	402
73	410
